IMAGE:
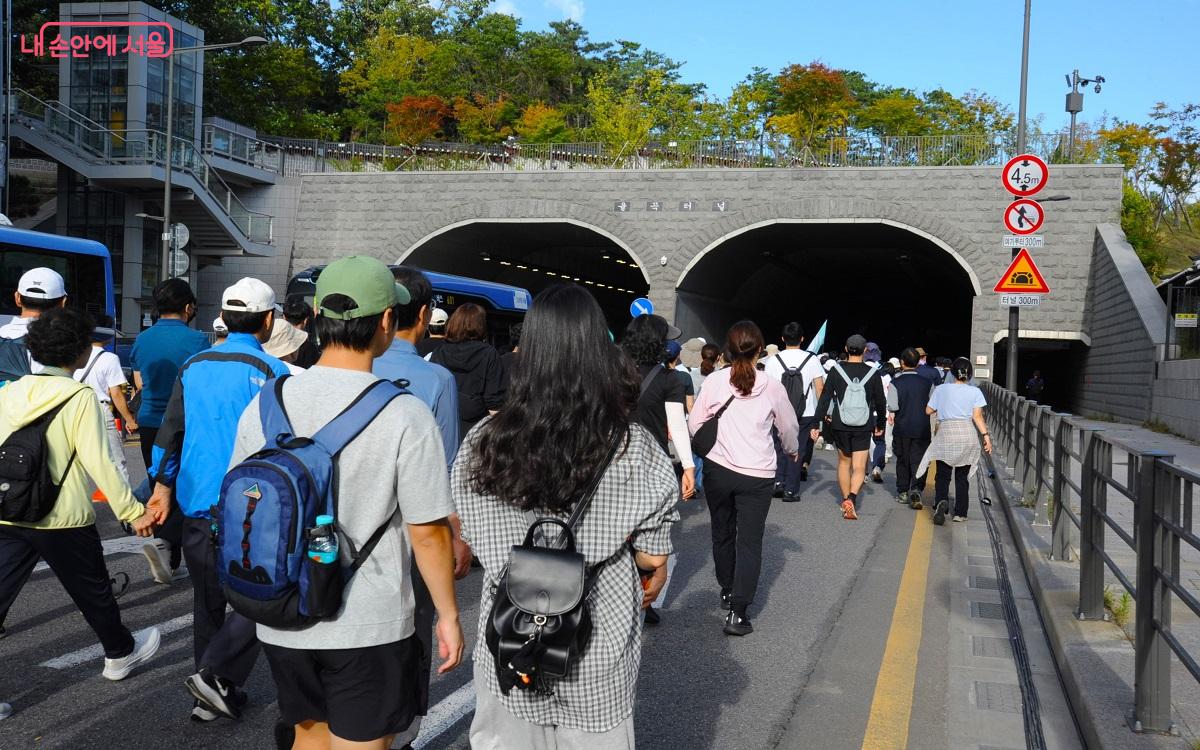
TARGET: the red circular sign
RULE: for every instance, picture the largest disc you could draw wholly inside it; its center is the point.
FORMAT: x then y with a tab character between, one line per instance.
1025	175
1024	216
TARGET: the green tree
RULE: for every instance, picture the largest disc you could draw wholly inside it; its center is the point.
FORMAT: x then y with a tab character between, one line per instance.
751	104
1139	221
541	123
482	121
814	102
898	112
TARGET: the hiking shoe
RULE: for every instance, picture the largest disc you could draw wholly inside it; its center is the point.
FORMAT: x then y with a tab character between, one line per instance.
803	473
848	511
877	475
652	617
119	582
960	519
791	497
778	490
914	501
736	624
145	646
159	556
902	498
202	715
939	513
215	694
726	599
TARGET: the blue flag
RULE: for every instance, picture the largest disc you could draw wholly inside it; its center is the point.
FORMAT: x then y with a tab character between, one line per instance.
818	341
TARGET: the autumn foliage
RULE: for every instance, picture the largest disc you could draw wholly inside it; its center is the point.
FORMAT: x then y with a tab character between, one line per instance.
415	119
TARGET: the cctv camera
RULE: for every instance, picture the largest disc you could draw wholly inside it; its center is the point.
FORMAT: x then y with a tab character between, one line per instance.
1097	88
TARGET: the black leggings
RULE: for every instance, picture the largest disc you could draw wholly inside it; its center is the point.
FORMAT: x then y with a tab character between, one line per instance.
962	486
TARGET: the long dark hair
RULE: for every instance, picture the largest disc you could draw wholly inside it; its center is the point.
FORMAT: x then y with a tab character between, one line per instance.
742	346
567	402
645	340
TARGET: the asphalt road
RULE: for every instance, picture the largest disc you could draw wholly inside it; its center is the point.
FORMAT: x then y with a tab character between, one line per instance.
821	620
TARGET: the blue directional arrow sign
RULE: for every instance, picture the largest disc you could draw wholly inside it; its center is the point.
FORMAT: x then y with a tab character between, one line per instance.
641	306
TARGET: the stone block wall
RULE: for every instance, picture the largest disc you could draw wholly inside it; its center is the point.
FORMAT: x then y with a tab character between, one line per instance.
1176	401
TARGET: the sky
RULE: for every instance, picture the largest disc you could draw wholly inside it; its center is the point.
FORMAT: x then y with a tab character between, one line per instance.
1147	51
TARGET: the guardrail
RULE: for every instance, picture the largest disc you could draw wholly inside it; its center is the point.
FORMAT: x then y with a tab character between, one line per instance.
1057	460
109	146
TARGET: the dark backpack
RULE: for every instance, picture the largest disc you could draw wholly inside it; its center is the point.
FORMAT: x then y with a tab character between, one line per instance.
539	623
28	492
14	359
793	382
270	501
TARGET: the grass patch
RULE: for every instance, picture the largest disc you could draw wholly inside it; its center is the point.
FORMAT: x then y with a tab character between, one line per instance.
1162	428
1119	607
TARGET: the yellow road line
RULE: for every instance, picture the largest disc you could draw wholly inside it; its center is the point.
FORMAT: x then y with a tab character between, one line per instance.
891	707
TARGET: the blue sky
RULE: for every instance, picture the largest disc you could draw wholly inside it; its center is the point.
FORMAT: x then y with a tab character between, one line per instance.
1146	50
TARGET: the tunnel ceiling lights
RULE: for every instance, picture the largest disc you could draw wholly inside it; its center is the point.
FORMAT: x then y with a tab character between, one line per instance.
564	276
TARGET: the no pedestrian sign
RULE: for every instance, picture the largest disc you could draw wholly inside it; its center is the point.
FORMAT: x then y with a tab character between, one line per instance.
1022	277
1025	175
1023	216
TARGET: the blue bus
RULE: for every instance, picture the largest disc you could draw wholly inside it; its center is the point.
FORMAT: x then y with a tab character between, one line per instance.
85	266
504	304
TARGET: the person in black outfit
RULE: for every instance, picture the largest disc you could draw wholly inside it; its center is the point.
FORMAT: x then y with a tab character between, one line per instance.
474	364
926	370
508	360
907	400
852	442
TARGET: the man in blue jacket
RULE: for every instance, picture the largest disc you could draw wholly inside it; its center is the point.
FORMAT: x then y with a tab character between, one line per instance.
190	457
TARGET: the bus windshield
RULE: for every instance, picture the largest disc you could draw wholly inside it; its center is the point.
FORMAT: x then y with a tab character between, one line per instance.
86	277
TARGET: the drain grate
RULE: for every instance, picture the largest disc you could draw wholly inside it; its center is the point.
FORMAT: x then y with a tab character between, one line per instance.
980	560
987	611
986	645
984	582
997	696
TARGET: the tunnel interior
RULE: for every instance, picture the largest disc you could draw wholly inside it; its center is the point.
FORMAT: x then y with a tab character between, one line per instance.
892	286
534	255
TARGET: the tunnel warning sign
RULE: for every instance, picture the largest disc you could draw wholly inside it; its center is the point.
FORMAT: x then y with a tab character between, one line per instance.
1022	277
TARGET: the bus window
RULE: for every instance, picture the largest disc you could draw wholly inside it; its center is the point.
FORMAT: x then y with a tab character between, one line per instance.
83	275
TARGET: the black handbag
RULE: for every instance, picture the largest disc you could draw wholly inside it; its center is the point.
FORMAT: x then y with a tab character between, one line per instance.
706	437
539	624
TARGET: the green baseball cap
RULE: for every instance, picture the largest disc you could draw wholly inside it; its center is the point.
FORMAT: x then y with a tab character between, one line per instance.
366	281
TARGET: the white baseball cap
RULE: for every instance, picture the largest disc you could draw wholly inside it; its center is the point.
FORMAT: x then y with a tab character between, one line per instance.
438	317
219	326
249	295
42	283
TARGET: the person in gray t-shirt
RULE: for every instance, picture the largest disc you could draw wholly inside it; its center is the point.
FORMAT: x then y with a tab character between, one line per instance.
355	676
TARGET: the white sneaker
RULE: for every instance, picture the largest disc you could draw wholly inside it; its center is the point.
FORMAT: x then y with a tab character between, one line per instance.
145	646
960	519
159	557
5	711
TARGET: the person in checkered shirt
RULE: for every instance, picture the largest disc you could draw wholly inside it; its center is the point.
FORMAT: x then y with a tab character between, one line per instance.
536	457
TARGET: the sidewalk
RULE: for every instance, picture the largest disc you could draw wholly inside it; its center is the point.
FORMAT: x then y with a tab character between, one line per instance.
1097	658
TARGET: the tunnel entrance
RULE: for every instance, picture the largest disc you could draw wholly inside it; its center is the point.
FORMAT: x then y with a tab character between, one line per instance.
536	254
892	285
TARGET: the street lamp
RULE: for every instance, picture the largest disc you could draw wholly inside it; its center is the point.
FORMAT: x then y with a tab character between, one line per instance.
1075	103
250	41
1014	312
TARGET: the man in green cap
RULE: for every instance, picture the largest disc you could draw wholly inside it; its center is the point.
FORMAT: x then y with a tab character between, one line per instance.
356	677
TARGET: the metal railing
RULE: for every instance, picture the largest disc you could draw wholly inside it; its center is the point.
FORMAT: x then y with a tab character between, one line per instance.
1059	461
858	150
102	145
1183	322
243	149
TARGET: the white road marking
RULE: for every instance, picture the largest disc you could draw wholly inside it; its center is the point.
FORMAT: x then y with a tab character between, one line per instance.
446	714
122	545
91	653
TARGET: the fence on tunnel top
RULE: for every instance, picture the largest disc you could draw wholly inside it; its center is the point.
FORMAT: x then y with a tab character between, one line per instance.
299	156
1060	463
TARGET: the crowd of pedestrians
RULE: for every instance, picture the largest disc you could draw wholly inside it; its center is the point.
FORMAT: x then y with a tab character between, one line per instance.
406	449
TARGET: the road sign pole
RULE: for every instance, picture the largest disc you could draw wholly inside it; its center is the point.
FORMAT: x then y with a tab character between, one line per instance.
1014	312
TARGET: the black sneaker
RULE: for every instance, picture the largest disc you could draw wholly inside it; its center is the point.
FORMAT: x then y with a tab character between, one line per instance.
202	715
216	694
726	599
939	514
803	473
652	616
791	497
902	498
736	624
914	501
778	491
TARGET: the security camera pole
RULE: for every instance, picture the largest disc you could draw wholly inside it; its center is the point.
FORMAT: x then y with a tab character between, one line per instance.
1075	104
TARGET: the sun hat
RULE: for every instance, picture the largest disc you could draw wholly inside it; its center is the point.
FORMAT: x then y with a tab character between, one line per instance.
365	281
285	339
690	356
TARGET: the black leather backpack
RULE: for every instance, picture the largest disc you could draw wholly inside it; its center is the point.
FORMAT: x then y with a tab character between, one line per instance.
539	624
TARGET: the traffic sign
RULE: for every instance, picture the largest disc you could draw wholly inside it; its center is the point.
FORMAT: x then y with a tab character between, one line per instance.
641	306
1024	216
1022	277
1012	240
180	235
1024	175
180	263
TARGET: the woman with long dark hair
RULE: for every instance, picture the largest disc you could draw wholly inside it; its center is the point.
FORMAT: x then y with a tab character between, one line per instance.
536	457
739	472
474	363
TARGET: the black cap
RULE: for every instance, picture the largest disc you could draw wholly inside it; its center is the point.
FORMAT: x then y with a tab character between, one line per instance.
857	343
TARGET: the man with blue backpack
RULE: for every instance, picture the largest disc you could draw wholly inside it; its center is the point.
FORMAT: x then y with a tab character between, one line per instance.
852	410
337	483
190	455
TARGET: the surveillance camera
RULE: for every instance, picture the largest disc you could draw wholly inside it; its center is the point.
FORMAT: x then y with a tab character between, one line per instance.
662	261
1097	88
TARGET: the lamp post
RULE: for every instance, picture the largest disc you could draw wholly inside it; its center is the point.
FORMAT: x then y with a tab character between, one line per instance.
169	166
1075	104
1014	312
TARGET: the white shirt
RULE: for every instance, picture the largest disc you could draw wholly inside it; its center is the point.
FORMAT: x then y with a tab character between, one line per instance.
105	373
812	372
18	328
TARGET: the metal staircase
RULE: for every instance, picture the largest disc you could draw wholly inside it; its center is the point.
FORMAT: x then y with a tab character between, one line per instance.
135	160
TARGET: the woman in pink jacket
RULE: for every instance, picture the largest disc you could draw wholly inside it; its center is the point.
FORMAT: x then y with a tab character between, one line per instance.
738	485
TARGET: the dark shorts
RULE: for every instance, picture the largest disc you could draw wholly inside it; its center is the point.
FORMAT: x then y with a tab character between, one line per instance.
362	693
848	442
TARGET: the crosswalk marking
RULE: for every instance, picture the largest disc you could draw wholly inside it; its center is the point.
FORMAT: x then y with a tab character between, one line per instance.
91	653
446	713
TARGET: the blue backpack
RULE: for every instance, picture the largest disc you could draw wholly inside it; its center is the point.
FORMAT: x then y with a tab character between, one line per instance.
271	500
14	360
